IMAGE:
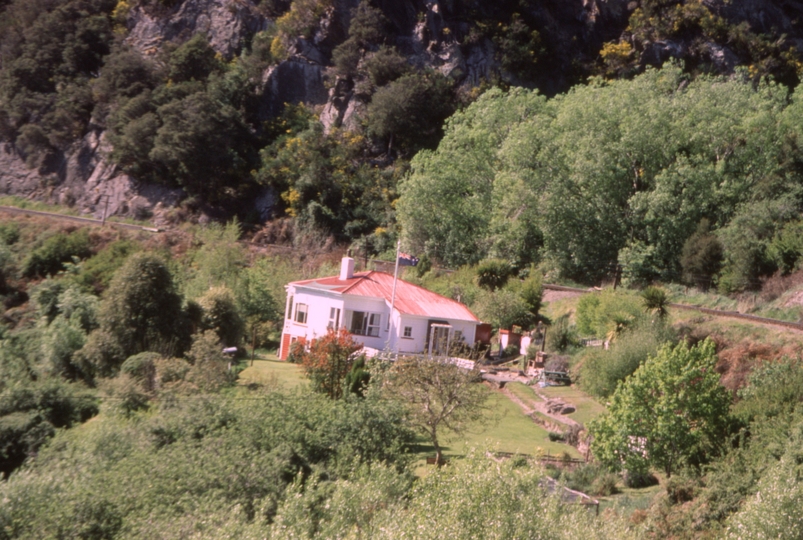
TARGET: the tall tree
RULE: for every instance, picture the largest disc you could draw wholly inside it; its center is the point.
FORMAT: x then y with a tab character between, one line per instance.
142	309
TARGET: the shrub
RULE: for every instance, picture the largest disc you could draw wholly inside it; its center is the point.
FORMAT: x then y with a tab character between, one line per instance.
601	370
220	314
561	336
636	479
101	354
142	368
49	258
555	437
492	274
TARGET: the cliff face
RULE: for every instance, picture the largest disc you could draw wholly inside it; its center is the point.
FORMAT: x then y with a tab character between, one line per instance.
431	34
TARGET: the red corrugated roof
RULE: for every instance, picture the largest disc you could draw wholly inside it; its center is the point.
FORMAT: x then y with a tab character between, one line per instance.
410	299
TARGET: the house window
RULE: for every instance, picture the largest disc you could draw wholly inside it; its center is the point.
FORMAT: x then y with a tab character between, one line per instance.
408	331
290	307
301	314
334	318
458	336
365	324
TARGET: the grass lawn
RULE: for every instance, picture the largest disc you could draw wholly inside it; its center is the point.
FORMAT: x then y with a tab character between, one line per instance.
270	370
523	392
504	428
587	408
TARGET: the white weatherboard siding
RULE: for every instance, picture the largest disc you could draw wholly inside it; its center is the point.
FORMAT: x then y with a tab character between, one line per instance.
321	296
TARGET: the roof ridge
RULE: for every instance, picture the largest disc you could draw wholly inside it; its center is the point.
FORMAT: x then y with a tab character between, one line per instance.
365	275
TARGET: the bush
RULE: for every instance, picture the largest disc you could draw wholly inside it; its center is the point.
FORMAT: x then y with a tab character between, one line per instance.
220	314
142	368
590	478
601	370
492	274
101	354
560	336
639	479
49	258
555	437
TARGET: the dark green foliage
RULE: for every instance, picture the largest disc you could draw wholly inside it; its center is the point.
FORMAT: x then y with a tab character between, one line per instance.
590	478
519	48
140	470
701	259
142	368
101	355
193	60
50	51
786	248
192	125
410	111
141	310
9	233
493	274
655	301
49	258
324	185
358	378
30	412
561	336
385	66
531	292
220	314
97	271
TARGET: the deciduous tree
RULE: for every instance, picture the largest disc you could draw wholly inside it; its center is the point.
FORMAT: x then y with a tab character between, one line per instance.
439	396
672	411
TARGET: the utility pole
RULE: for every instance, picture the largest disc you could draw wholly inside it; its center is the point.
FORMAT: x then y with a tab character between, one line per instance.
105	210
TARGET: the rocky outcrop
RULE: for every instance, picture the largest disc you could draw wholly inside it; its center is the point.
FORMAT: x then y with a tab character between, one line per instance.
84	179
296	80
226	23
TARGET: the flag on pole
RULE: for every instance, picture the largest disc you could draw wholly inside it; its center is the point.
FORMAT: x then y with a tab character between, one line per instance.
407	260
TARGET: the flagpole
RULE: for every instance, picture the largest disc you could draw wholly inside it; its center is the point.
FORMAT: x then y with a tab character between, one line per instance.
395	278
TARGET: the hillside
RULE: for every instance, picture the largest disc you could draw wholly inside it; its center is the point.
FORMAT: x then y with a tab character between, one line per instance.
172	110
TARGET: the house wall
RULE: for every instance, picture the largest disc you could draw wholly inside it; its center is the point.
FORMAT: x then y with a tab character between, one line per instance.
368	305
420	326
318	306
319	303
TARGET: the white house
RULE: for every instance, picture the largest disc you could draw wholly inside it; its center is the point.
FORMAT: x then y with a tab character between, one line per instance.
415	320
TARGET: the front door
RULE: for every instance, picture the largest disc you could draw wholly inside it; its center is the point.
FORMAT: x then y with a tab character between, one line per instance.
439	339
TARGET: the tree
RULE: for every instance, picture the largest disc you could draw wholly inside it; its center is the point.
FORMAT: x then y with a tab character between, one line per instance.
438	395
142	309
221	315
492	274
410	111
672	411
329	361
701	258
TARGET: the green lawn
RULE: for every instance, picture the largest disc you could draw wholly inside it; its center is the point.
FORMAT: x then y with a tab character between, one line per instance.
523	392
504	428
587	408
270	370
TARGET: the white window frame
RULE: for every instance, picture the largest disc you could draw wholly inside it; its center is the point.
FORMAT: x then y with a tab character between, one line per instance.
334	318
369	326
301	313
